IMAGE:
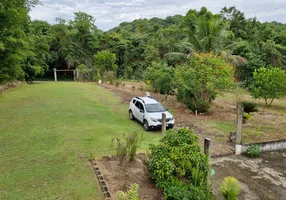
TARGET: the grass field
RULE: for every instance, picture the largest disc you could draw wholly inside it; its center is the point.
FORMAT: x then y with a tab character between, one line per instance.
48	131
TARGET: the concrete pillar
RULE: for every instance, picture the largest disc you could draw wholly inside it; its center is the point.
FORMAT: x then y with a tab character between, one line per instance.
239	125
55	74
74	75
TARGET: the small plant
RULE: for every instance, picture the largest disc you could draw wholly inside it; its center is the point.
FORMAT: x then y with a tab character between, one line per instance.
131	194
121	149
127	147
117	83
249	106
230	188
109	76
253	151
133	142
246	117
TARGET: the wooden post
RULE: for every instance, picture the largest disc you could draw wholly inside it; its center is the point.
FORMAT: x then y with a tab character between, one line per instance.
55	74
163	122
207	145
239	125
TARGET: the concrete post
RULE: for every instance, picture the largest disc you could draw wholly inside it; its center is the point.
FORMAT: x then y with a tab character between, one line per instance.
74	75
207	145
239	125
77	75
55	74
163	122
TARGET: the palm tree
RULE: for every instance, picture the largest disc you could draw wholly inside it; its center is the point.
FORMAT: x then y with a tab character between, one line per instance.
209	34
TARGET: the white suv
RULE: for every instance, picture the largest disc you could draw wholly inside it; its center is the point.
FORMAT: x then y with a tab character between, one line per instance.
148	111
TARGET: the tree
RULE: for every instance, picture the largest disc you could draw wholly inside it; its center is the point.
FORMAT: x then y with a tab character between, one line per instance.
268	84
104	61
201	79
161	77
13	44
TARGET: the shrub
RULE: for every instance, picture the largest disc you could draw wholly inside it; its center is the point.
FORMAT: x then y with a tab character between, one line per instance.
253	151
121	149
131	194
117	83
230	188
268	84
199	105
178	164
133	141
160	77
105	61
128	147
246	117
109	76
249	106
201	79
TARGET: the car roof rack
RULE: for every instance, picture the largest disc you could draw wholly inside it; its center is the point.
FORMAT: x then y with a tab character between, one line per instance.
140	99
153	98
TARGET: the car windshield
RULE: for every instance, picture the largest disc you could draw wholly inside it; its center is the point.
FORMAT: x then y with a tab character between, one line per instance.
156	107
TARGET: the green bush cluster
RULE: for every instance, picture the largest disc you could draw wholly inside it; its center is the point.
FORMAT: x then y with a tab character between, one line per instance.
253	151
179	167
160	77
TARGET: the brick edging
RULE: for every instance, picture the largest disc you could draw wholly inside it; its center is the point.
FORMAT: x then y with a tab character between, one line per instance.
101	180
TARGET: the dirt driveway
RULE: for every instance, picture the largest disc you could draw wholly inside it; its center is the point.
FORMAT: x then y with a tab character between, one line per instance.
184	117
260	178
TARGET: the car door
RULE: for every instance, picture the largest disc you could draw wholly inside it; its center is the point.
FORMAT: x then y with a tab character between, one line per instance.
139	111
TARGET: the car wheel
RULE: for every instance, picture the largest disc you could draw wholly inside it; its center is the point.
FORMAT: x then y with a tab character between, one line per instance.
131	116
146	125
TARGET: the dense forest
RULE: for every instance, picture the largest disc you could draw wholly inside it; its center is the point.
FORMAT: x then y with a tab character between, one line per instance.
142	49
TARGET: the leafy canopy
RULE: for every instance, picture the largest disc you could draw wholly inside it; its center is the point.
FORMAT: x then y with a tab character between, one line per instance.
269	84
202	78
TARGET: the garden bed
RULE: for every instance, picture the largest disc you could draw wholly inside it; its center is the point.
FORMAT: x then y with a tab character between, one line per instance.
119	177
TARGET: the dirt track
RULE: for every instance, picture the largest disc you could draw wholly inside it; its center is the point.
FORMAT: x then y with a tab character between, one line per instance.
184	117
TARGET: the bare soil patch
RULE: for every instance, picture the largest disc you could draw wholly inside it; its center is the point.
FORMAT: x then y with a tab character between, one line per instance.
10	85
119	178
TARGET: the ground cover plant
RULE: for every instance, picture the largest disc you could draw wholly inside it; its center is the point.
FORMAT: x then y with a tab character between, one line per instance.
49	131
253	151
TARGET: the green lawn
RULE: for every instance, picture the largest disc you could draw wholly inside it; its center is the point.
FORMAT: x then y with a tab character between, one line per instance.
48	131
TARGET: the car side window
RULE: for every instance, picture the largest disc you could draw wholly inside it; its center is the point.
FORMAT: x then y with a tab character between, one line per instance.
139	105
